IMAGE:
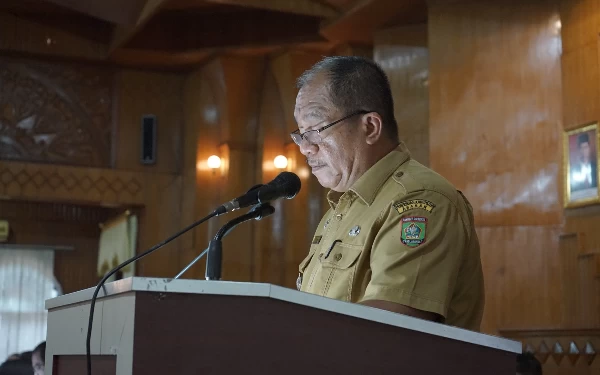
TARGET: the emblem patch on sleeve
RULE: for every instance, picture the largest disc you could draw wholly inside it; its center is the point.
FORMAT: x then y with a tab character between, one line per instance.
413	231
414	204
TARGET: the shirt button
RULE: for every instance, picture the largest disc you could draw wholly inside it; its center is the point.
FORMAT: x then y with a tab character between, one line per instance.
338	256
338	217
399	174
321	256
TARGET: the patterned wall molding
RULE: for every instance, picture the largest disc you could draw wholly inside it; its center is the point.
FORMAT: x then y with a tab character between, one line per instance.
27	181
51	211
561	348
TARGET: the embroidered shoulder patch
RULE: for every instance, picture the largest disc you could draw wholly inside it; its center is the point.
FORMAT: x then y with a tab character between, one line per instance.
414	204
413	230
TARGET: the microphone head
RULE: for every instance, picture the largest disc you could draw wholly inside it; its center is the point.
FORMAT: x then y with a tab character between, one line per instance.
255	187
288	183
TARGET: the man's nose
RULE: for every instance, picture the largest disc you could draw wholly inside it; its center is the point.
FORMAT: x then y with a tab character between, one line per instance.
306	148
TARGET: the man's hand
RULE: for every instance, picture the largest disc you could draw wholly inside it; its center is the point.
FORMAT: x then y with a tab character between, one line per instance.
402	309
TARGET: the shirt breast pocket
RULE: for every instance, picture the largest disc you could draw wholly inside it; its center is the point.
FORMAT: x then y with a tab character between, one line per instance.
338	269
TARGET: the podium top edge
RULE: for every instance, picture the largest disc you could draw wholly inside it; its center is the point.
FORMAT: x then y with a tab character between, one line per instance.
165	285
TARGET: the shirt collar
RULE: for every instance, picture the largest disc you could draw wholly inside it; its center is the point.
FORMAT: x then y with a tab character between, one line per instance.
368	185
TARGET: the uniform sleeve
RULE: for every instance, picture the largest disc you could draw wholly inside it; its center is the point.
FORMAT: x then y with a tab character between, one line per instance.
417	253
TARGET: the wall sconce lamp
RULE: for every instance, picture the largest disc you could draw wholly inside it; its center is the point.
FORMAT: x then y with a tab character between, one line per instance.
213	162
280	162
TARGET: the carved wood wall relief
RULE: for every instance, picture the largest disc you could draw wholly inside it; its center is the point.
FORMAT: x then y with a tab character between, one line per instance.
55	113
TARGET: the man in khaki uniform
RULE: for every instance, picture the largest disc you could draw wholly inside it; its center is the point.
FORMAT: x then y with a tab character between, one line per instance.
397	236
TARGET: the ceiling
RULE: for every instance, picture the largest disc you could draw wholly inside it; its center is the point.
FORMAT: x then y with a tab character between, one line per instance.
180	34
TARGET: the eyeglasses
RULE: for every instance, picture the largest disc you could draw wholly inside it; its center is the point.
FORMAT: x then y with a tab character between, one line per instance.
313	137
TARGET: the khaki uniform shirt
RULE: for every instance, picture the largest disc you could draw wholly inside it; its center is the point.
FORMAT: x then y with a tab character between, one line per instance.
401	234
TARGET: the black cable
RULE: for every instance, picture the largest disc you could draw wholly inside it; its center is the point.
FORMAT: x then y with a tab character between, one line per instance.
117	268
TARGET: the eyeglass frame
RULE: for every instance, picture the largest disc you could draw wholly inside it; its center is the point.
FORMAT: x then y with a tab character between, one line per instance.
302	136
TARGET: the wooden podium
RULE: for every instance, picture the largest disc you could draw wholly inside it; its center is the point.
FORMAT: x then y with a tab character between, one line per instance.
145	326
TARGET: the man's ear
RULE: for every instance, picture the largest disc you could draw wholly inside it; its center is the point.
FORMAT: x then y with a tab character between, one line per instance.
372	125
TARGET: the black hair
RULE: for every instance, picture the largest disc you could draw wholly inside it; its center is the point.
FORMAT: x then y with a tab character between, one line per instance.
16	367
527	364
26	356
583	138
356	83
41	348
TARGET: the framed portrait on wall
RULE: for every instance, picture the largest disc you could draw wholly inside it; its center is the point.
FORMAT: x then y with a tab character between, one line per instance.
581	165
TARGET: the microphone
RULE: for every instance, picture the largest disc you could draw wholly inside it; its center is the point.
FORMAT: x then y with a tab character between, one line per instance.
285	185
258	212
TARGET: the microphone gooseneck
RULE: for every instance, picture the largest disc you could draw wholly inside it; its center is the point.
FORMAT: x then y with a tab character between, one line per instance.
259	212
214	260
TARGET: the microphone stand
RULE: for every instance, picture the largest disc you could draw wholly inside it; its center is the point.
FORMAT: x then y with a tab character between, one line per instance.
214	260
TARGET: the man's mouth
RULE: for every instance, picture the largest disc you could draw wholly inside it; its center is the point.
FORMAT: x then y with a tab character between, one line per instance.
315	165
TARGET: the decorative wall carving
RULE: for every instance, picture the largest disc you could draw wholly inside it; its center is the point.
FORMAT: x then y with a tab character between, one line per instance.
64	183
55	113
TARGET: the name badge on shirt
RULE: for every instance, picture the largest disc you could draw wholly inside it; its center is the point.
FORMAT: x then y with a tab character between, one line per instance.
316	240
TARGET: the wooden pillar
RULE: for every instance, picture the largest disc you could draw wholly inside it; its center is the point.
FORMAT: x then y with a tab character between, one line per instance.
285	241
221	107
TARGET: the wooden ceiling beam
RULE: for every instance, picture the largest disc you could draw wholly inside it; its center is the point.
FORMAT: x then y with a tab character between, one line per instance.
122	34
303	7
159	59
181	31
114	11
358	24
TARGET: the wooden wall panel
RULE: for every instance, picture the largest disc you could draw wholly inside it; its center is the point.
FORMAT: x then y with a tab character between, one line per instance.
159	220
144	93
287	68
580	94
523	278
221	118
240	92
579	20
495	132
407	67
200	190
580	243
495	122
581	282
270	235
304	212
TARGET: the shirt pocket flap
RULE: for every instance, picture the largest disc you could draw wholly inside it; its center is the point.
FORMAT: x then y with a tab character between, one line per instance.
305	262
342	256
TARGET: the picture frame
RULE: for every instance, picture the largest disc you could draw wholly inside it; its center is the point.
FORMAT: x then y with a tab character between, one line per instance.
580	165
